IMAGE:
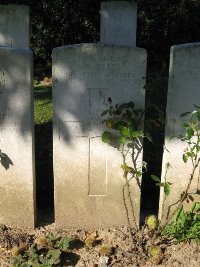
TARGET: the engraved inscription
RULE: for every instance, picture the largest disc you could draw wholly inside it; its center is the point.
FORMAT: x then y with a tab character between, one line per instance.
103	64
191	75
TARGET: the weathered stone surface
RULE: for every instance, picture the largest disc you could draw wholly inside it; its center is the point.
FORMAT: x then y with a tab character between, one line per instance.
118	23
87	173
14	26
183	94
17	181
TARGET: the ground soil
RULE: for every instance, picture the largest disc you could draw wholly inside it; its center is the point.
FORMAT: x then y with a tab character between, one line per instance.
115	245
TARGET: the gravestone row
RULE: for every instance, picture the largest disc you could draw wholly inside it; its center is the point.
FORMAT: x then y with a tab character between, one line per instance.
87	173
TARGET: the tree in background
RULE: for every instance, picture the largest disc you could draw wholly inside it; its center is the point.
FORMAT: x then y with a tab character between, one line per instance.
161	23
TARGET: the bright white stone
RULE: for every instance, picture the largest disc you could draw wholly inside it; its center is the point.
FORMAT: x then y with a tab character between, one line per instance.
87	173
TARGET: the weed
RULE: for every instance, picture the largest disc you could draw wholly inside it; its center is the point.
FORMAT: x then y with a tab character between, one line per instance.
186	225
191	152
124	133
45	252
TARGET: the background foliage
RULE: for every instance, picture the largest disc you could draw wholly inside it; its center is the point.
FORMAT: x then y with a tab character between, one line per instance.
161	23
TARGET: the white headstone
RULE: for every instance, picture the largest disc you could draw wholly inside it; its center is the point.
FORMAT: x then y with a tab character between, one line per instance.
118	23
17	181
14	26
87	173
183	94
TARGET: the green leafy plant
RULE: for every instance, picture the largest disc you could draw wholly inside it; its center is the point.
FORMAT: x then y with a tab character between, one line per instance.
186	225
166	185
192	139
45	252
35	258
124	132
191	152
62	243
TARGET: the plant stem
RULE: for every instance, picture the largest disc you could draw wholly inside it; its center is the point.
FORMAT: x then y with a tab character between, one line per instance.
185	193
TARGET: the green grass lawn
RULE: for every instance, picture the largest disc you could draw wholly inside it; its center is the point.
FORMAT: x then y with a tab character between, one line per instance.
42	104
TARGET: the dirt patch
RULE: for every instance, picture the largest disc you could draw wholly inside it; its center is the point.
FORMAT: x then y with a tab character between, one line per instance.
104	247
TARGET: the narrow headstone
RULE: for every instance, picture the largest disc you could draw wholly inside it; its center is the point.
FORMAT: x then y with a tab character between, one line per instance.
14	26
87	173
183	94
118	23
17	181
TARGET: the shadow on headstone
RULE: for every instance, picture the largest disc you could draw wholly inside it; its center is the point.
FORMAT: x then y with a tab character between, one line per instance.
5	160
17	203
88	177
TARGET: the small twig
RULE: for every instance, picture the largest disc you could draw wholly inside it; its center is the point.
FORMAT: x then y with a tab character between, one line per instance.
127	213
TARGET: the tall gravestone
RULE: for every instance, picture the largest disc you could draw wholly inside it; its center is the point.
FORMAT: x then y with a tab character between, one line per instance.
87	173
118	23
17	182
14	26
183	94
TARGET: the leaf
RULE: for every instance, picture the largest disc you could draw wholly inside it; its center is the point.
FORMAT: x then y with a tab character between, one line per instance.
185	114
185	158
185	125
138	174
127	168
125	132
180	212
106	137
54	255
122	140
155	178
147	135
137	134
190	154
195	207
63	243
167	189
190	132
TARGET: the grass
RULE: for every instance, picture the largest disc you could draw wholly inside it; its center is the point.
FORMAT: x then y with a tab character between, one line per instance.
42	104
